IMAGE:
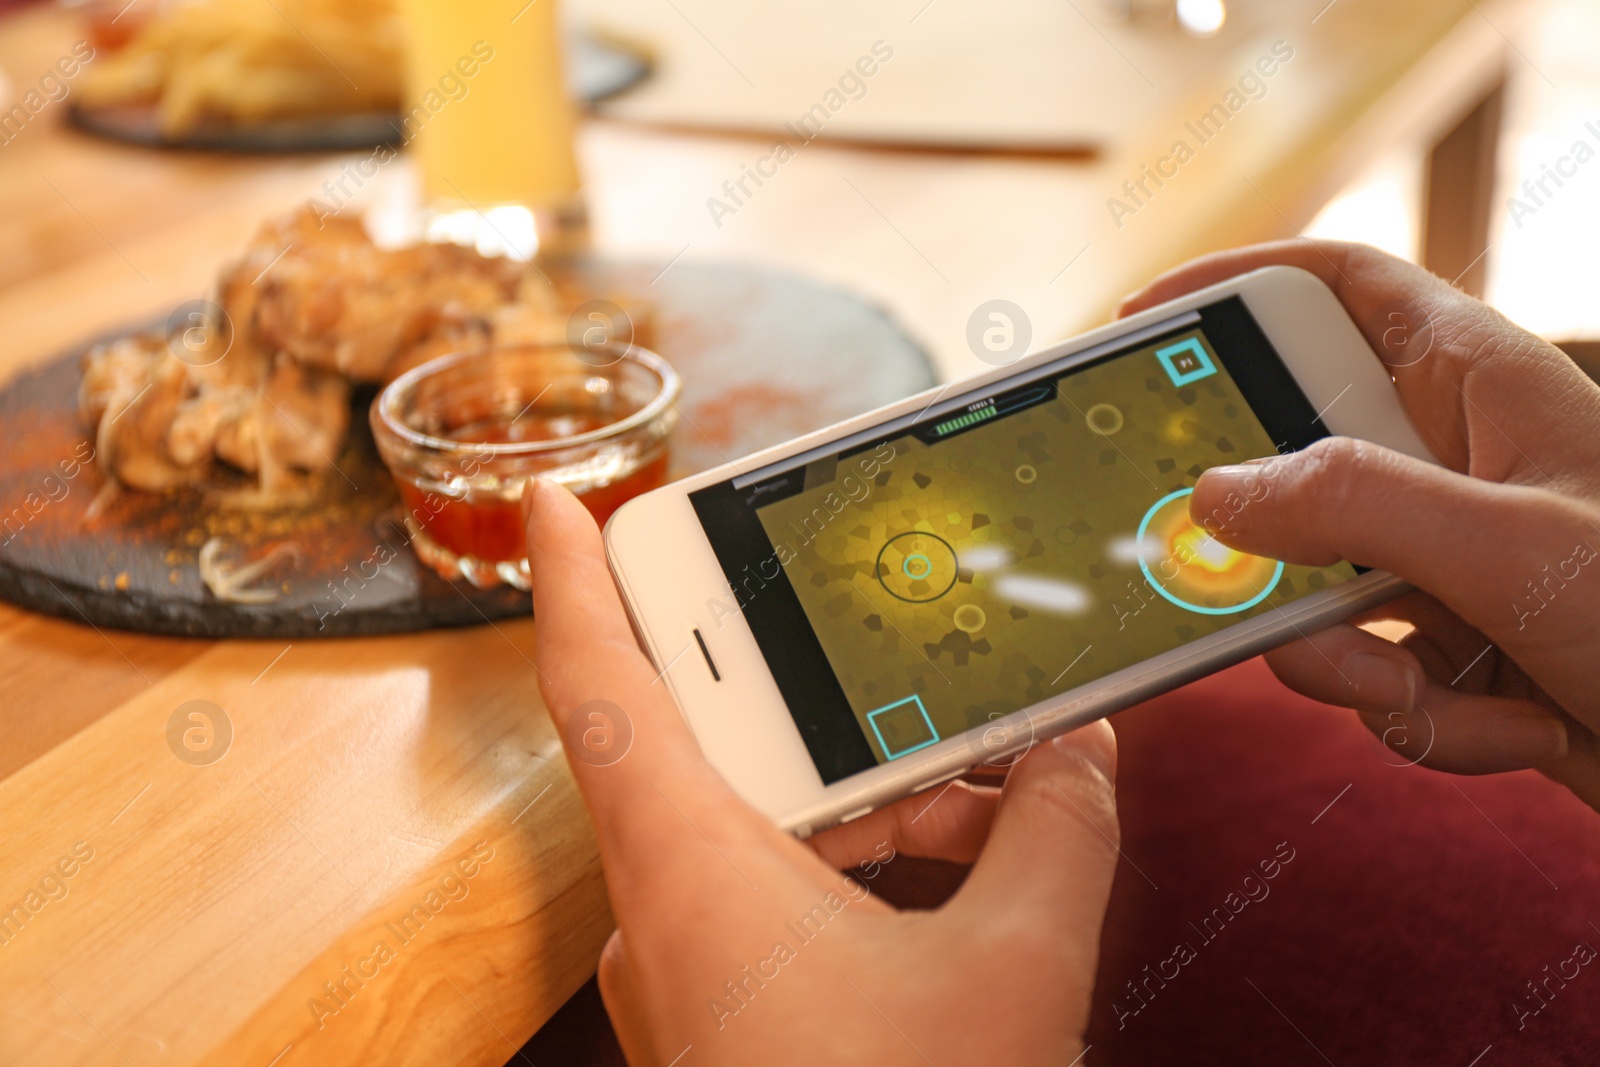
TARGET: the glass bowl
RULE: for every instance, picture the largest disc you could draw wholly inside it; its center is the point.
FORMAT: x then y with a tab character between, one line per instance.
463	433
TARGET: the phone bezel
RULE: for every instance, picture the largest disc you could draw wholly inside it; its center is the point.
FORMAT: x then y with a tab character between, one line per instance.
741	720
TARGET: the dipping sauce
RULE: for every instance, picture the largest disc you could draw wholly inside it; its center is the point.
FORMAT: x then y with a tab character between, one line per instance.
462	435
490	527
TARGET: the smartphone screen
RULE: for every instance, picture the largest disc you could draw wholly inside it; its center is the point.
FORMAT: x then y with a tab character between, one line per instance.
917	581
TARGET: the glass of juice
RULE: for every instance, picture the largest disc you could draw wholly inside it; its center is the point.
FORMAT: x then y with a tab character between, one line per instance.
490	123
463	433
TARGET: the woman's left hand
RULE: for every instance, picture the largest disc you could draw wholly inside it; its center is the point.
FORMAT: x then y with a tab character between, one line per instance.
738	944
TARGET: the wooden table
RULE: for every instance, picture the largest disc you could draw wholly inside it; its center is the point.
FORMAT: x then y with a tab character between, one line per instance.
410	790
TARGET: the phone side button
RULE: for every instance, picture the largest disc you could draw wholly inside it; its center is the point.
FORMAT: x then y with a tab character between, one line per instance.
854	815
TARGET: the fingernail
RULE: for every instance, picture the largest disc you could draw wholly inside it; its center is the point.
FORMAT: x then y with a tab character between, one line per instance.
1380	683
1223	494
528	488
1529	739
1237	475
1233	478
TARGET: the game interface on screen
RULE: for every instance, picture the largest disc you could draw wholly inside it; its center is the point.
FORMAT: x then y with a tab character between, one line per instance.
1026	544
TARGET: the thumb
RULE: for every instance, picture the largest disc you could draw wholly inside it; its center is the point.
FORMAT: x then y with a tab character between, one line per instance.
1043	880
1467	541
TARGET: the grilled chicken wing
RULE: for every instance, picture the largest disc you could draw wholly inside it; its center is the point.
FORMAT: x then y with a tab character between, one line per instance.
311	307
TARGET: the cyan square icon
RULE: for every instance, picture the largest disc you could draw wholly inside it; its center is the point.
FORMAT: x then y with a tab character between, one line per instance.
902	727
1186	362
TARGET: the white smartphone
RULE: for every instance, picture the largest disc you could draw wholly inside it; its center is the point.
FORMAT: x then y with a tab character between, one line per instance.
879	606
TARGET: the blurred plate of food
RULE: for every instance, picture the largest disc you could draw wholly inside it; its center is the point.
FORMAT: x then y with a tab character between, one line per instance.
212	472
275	75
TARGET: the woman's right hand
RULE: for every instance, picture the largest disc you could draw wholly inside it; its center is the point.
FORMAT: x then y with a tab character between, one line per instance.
1502	670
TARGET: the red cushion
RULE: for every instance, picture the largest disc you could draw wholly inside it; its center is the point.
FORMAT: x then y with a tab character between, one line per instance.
1405	929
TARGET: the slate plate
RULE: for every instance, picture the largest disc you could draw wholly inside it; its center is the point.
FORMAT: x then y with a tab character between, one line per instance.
597	70
764	356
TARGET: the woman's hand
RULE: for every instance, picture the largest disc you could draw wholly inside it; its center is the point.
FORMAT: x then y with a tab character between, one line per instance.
1503	542
737	944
